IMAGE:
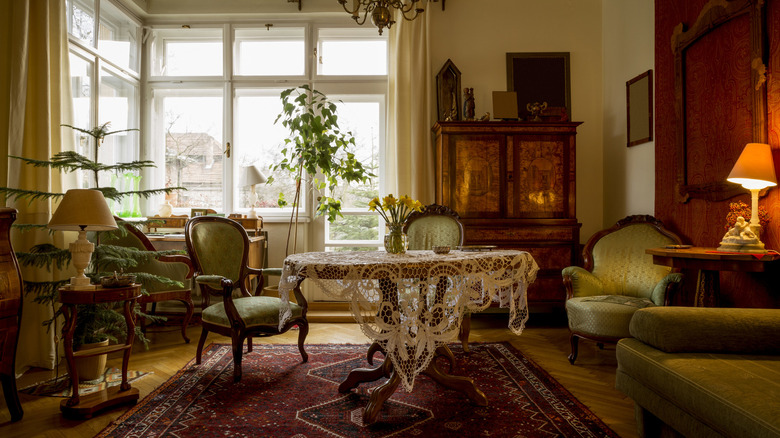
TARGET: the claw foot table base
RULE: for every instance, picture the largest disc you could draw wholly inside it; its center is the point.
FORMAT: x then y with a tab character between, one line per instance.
378	397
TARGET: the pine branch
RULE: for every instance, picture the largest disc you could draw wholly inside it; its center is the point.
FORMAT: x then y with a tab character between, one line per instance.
44	256
30	195
23	228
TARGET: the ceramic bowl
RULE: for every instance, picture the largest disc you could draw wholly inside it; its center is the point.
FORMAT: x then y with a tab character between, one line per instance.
441	249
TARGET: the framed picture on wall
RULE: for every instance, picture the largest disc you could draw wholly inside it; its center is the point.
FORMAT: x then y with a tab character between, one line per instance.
639	109
538	78
448	100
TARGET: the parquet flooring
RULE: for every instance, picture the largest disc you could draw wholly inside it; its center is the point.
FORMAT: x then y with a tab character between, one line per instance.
545	340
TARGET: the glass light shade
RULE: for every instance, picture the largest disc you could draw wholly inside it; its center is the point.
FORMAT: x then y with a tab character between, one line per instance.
83	209
755	168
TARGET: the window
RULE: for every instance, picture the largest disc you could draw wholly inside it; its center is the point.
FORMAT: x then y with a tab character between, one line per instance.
209	110
104	65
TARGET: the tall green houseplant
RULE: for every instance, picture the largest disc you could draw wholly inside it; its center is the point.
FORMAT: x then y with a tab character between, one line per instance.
317	153
95	322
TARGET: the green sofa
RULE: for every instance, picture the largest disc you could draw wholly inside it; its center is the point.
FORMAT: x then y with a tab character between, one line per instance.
703	372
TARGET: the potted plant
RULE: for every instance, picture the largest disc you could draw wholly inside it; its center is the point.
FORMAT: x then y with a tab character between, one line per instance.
317	154
95	322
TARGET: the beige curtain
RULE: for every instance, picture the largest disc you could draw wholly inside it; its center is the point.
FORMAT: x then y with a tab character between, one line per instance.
409	159
35	64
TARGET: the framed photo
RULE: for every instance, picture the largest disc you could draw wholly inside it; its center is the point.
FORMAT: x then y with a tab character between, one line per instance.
539	78
195	212
448	100
639	109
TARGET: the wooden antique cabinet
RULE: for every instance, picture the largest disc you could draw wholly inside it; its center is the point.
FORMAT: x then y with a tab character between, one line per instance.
513	185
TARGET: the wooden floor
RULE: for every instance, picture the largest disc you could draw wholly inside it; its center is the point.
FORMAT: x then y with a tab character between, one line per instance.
545	340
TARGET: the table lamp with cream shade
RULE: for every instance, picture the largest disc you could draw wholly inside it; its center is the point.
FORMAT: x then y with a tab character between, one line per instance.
82	210
251	176
754	170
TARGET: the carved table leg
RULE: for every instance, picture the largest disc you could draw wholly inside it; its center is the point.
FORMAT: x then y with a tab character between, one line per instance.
69	311
707	289
378	397
360	375
461	384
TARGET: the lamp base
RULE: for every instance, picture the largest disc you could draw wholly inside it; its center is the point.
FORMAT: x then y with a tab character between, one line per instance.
81	283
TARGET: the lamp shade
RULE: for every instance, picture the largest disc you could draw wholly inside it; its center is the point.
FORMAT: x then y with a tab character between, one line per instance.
755	168
250	176
83	209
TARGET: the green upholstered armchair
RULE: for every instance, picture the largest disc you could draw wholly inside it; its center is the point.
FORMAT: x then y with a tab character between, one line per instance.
617	279
219	249
438	225
176	268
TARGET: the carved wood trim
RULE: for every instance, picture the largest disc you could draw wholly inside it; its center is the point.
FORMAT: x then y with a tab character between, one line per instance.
714	14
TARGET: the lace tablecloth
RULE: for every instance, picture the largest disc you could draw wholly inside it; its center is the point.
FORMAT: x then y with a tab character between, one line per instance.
412	303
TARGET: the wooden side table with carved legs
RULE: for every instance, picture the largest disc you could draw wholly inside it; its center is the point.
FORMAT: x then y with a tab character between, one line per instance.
86	406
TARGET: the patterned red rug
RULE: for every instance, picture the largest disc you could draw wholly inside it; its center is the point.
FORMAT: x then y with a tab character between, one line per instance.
279	396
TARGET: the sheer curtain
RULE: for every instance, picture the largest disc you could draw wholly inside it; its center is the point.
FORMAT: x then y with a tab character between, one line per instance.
409	157
36	83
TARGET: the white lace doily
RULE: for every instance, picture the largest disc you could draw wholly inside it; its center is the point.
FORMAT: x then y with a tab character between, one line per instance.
412	303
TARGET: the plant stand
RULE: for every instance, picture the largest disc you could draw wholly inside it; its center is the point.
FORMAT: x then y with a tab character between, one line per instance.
85	407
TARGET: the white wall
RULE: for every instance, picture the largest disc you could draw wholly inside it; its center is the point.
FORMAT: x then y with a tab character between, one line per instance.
629	173
477	35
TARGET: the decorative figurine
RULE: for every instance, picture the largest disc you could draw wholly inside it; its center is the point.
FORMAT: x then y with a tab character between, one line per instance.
468	104
536	110
485	118
741	238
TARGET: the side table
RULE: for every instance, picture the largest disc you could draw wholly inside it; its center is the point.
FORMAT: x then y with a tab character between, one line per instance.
89	404
709	262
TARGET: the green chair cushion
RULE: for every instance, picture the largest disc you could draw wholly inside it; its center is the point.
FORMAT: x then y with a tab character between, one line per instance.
254	311
604	315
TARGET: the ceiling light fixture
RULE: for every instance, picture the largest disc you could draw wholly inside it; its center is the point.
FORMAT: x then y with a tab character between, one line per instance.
380	13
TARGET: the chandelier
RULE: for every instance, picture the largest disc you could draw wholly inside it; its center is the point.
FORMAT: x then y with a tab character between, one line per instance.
379	10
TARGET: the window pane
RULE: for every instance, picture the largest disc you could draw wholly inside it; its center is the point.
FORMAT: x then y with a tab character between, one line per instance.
187	52
189	124
81	20
362	120
118	37
81	89
259	141
351	52
273	52
117	106
355	227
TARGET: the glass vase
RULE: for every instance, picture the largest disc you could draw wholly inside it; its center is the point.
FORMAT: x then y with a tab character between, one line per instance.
396	240
136	197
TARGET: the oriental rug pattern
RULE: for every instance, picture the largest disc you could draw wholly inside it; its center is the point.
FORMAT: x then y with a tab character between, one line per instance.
279	396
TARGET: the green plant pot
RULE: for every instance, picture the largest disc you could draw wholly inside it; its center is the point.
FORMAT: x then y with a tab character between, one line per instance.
92	367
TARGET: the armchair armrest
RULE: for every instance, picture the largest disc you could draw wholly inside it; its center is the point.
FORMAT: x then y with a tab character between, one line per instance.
580	282
216	282
665	288
179	258
713	330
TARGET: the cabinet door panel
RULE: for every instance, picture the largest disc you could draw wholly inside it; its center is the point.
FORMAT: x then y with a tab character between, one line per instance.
542	182
475	175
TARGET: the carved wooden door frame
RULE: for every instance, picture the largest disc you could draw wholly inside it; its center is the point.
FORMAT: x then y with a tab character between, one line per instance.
714	14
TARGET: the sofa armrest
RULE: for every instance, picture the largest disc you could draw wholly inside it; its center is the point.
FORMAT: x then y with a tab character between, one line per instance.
580	282
708	330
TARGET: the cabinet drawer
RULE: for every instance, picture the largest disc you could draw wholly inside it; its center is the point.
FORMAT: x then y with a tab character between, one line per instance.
550	258
547	288
525	234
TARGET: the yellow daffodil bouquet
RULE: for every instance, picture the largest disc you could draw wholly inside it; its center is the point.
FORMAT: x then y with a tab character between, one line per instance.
395	212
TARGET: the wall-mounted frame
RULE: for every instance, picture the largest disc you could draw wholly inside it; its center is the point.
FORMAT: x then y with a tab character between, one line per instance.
448	100
714	14
540	77
639	109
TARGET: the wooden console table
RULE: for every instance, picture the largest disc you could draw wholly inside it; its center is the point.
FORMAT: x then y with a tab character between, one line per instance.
709	262
89	404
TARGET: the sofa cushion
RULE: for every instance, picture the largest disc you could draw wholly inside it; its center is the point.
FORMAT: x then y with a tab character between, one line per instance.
713	330
735	395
